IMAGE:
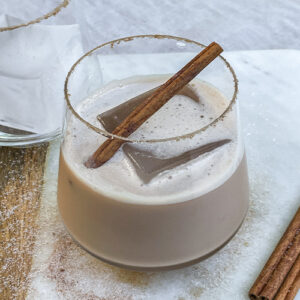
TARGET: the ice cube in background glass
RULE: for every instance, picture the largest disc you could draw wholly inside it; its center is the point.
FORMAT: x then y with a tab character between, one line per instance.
16	94
31	80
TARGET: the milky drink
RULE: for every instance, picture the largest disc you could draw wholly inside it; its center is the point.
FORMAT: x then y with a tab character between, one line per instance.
155	205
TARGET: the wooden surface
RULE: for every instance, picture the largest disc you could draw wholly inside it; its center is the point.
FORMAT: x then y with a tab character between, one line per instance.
21	180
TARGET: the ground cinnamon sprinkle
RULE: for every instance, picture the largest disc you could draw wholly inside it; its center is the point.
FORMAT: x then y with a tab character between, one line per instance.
62	267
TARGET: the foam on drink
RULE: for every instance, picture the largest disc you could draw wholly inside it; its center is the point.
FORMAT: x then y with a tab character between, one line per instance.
181	115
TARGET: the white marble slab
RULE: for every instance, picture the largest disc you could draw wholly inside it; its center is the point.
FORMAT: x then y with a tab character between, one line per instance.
270	107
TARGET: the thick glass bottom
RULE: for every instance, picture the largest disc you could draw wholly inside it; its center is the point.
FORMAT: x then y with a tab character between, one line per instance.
159	268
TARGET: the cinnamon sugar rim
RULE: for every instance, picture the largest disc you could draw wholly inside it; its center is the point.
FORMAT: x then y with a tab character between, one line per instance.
175	138
53	12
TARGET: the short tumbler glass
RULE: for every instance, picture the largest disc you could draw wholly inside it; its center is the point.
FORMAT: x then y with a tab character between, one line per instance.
165	222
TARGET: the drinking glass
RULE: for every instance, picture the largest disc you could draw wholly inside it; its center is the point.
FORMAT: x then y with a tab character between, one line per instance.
32	105
168	221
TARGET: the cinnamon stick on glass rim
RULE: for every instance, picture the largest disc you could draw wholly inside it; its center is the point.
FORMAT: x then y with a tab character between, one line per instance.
153	103
281	267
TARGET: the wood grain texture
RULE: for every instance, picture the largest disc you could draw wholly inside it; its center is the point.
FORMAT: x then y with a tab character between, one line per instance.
21	180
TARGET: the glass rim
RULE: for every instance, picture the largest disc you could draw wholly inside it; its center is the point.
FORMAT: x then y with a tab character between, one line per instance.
174	138
53	12
29	139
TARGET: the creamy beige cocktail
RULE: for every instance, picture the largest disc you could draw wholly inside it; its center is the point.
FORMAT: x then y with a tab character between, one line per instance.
176	214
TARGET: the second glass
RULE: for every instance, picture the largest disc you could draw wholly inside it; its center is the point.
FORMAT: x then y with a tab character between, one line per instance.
34	59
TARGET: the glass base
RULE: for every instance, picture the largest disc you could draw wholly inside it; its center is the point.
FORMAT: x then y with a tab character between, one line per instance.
27	139
159	268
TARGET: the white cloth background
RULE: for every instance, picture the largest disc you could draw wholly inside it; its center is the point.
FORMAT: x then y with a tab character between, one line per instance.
236	25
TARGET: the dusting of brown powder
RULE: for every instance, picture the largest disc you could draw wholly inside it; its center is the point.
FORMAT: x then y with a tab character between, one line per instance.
61	270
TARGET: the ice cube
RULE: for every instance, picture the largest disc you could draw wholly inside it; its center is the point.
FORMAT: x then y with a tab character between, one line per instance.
111	118
148	166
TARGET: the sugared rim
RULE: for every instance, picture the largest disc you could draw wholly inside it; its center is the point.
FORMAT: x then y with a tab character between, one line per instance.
53	12
154	36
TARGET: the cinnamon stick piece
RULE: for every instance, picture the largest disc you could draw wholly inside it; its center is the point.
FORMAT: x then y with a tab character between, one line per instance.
282	269
293	289
289	282
153	103
282	258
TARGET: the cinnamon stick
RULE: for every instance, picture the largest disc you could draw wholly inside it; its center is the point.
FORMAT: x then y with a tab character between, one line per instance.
293	289
289	282
282	270
279	264
153	103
